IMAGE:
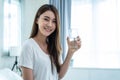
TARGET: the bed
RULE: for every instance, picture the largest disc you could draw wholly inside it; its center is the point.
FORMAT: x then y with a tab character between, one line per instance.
7	74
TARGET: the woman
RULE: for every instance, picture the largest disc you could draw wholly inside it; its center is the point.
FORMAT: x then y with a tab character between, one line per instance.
40	55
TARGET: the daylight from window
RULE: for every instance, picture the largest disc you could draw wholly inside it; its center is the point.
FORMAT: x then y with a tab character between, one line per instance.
98	24
12	24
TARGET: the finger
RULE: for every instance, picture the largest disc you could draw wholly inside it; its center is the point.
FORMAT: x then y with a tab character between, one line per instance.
78	38
79	43
68	40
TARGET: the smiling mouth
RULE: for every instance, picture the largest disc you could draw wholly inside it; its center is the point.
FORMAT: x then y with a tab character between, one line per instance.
47	29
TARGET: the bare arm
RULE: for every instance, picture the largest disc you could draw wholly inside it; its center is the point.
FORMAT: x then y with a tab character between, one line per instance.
27	73
71	51
64	66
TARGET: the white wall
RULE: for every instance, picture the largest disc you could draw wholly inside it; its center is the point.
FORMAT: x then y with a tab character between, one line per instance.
1	23
29	8
1	28
92	74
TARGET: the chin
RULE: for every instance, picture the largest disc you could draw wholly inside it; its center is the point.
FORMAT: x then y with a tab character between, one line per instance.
47	35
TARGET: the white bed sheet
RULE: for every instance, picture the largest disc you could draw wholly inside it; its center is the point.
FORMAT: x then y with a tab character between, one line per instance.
7	74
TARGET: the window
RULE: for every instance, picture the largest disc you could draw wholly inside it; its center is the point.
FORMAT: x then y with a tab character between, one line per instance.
98	22
12	24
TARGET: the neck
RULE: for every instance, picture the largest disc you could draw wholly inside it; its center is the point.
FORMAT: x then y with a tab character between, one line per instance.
40	39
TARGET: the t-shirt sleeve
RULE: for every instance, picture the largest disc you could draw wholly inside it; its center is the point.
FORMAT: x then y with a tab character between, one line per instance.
26	57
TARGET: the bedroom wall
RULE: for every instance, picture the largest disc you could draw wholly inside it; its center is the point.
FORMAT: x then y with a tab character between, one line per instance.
29	8
28	12
1	28
92	74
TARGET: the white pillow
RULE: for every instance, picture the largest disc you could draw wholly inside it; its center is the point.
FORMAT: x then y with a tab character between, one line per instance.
7	74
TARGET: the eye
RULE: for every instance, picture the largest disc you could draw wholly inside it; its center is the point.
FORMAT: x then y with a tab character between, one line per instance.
54	21
46	19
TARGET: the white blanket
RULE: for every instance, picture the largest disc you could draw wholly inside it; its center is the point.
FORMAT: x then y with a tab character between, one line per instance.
7	74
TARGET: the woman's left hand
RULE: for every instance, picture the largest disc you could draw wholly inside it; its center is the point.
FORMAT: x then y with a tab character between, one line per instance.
74	45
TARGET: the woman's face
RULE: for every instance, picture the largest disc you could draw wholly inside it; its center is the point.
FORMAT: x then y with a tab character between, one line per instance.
47	23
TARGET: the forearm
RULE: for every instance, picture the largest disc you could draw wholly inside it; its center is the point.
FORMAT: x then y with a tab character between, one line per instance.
65	65
27	73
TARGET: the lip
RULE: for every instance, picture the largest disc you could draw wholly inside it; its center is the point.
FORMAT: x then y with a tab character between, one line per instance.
47	29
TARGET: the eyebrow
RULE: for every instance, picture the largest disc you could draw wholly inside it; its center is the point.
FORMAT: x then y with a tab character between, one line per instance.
49	17
46	16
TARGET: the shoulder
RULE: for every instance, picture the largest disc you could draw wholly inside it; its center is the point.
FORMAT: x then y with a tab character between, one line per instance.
27	48
27	44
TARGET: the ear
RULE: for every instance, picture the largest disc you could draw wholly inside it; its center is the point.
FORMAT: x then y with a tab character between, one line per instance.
36	21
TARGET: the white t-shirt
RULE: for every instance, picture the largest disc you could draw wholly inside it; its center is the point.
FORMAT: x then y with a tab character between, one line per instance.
33	57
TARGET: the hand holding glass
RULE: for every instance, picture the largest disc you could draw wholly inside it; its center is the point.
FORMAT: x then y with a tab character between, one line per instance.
73	34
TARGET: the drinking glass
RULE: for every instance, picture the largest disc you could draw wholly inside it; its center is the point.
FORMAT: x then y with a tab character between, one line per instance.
73	33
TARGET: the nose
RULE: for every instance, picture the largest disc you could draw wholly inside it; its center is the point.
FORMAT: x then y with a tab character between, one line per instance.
50	24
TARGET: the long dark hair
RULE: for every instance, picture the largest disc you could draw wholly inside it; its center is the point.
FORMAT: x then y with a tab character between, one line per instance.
53	40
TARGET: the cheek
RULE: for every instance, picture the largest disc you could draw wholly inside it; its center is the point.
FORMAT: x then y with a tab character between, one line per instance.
40	23
40	26
54	27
